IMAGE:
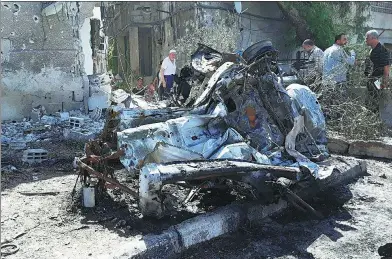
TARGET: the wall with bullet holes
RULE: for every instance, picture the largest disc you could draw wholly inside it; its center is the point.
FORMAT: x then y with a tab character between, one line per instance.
42	56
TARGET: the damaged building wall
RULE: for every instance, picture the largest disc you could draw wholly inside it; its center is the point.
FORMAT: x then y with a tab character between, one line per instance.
44	63
182	25
220	27
380	18
265	21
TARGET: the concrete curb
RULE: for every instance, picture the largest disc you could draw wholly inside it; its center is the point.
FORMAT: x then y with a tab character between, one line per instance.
360	148
227	219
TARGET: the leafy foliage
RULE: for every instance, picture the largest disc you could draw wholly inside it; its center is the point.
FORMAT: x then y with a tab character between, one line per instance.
112	56
327	19
221	35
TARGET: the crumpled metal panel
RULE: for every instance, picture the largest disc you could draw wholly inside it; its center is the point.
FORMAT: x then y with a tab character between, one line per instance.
140	102
130	118
119	96
165	152
241	151
202	134
305	101
265	135
206	59
212	82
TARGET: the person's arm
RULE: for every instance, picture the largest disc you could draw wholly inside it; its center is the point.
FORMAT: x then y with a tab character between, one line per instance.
162	77
349	59
385	78
155	81
368	67
318	59
161	73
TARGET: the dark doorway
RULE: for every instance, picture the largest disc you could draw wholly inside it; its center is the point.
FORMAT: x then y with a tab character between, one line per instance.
145	51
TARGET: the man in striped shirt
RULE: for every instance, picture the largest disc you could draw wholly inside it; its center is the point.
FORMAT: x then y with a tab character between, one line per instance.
315	59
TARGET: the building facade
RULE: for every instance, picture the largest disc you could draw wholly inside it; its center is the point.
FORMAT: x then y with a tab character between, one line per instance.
142	33
46	55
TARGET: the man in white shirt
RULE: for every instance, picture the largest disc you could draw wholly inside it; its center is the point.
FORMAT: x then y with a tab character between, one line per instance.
336	61
168	70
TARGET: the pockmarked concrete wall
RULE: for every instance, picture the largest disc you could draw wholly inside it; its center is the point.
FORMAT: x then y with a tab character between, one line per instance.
42	58
215	24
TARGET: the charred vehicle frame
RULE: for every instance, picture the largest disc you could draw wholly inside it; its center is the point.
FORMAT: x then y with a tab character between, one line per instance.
238	123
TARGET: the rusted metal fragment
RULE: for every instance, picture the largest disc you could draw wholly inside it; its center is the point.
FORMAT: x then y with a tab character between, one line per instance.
154	176
110	180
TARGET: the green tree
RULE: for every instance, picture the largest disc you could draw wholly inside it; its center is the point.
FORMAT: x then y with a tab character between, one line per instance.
321	21
112	56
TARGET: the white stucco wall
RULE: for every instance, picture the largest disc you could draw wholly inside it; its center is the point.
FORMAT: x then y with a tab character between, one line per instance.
380	20
85	37
23	89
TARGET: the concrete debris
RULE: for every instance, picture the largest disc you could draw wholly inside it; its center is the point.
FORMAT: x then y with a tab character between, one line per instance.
51	120
5	140
119	96
96	114
79	134
32	156
17	145
8	169
76	122
64	116
377	149
17	135
39	111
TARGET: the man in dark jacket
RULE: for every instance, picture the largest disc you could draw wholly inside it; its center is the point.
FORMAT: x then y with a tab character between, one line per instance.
377	68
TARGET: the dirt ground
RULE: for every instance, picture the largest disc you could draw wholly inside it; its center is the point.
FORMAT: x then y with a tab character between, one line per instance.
41	218
358	221
44	220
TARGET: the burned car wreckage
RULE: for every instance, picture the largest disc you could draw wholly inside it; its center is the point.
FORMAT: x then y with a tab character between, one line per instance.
237	122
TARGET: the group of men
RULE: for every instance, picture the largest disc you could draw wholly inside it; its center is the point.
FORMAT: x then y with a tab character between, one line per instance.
162	84
332	64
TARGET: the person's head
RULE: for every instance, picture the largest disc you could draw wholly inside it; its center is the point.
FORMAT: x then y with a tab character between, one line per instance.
151	87
372	38
172	54
308	45
140	81
341	39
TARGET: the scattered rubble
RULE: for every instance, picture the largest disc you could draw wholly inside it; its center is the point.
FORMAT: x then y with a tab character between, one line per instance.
31	156
17	135
8	169
361	148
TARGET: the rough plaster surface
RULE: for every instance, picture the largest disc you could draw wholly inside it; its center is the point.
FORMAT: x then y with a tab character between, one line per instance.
218	30
24	89
44	61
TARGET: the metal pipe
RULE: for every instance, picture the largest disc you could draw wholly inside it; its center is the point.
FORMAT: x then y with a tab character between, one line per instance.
211	169
107	179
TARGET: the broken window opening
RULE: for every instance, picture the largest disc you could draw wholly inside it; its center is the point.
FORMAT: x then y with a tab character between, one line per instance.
145	53
126	53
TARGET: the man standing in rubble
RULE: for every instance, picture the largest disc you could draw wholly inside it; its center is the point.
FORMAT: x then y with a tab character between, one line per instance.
378	76
336	61
315	60
168	70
